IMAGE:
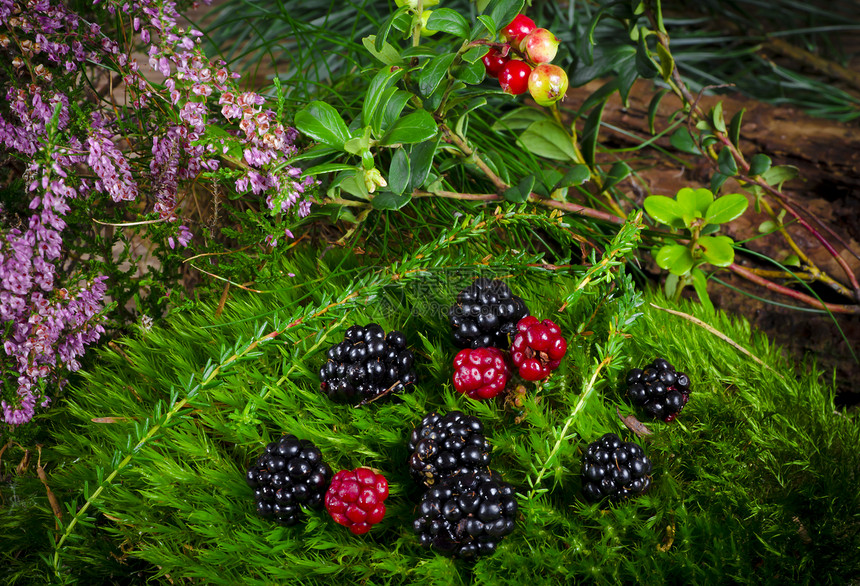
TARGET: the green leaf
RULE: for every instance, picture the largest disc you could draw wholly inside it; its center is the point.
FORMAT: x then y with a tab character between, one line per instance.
674	258
475	53
717	117
735	127
759	164
503	11
687	205
726	162
644	64
667	62
421	159
387	200
377	88
617	173
700	284
470	73
393	108
433	72
484	25
767	227
520	192
703	199
726	208
576	175
590	133
717	250
682	141
449	21
415	127
322	123
388	55
652	107
717	180
779	175
327	168
545	138
664	210
518	119
379	41
398	172
792	260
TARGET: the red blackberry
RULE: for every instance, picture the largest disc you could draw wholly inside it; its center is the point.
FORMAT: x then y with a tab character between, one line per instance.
289	474
355	499
660	389
442	447
367	365
614	469
480	373
467	515
537	348
485	314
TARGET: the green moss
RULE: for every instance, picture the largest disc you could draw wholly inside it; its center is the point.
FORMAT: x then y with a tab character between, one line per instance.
756	482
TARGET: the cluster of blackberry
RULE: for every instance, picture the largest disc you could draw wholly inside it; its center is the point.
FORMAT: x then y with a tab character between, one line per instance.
659	388
467	508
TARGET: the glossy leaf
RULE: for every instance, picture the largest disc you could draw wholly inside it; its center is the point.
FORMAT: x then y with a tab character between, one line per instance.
545	138
735	127
664	210
779	174
503	11
590	133
726	162
700	284
682	141
387	54
321	122
434	72
674	258
726	208
644	64
688	204
759	164
387	200
717	180
398	172
377	90
717	250
617	173
415	127
449	21
576	175
652	108
421	159
520	193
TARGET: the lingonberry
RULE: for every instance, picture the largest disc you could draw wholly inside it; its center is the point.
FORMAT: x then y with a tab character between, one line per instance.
355	499
518	28
537	348
494	61
514	77
480	373
547	84
539	46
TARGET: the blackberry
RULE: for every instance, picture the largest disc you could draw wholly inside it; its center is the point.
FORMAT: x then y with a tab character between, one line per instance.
538	348
486	314
660	389
466	516
355	499
290	473
480	373
367	365
442	447
615	469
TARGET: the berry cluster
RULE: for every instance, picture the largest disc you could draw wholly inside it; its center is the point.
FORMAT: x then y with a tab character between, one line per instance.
658	388
442	447
291	474
522	62
467	515
614	469
488	319
367	365
467	508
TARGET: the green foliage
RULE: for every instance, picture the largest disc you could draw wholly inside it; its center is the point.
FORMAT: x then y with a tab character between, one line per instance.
162	429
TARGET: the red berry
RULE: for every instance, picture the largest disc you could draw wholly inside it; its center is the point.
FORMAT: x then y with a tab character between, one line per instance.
514	77
537	348
540	46
354	499
494	61
519	27
480	373
547	84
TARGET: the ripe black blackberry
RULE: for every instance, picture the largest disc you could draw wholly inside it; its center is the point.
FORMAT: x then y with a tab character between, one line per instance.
367	365
615	469
290	473
442	447
467	515
485	314
659	388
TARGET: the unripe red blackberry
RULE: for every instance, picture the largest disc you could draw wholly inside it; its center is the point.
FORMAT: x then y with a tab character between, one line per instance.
486	314
290	474
442	447
367	365
661	390
480	373
355	499
614	469
537	348
467	515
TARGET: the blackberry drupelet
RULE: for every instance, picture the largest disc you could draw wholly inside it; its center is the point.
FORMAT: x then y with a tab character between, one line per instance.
290	473
442	447
659	388
486	314
467	515
367	366
614	469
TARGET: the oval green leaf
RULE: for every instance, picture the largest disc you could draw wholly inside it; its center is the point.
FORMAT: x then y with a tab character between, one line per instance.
415	127
759	164
398	172
726	208
449	21
390	201
717	250
674	258
433	73
663	209
321	122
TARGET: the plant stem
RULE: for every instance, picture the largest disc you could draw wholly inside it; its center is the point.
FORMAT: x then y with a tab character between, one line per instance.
811	301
